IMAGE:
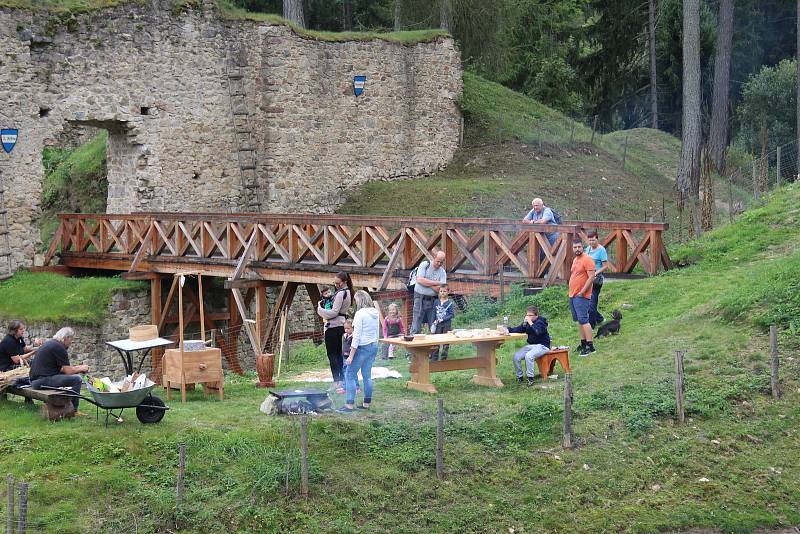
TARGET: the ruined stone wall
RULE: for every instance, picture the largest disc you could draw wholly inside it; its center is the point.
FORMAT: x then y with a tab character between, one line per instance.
161	83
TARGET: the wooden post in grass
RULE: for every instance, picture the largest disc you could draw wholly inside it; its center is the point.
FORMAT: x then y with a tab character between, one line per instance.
440	439
567	440
304	455
625	153
181	471
773	362
502	287
572	134
23	507
594	128
679	385
756	189
10	496
778	174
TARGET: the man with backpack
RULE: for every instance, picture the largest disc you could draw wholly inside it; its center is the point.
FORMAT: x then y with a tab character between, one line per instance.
429	277
541	214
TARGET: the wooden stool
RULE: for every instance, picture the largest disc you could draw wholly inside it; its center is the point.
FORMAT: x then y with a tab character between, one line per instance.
547	362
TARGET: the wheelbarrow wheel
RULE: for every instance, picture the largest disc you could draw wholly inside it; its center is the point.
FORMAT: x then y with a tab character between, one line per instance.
151	410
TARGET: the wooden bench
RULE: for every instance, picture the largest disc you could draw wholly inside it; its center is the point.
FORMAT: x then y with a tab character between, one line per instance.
56	406
547	362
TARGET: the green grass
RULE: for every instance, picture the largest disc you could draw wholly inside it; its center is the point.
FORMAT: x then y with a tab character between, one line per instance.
51	297
635	469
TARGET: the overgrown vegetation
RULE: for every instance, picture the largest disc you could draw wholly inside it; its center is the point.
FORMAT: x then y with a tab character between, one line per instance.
75	181
52	297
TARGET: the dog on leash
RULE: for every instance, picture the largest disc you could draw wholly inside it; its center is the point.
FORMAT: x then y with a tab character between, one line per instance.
610	327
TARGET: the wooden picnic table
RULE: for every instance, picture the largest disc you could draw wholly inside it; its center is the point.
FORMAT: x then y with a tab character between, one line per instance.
485	362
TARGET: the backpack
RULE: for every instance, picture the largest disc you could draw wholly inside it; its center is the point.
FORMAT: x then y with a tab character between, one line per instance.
556	216
412	279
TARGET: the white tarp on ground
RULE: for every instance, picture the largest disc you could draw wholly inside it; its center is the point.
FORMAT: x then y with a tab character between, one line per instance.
325	375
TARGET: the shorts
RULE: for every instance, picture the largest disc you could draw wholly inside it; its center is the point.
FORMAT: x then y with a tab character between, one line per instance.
579	306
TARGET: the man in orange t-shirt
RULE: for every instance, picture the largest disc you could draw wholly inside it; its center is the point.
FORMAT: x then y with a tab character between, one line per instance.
580	294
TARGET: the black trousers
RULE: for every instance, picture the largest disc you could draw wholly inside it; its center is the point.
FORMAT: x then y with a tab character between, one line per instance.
333	346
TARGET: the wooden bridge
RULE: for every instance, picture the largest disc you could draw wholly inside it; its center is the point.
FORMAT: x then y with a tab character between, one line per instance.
254	251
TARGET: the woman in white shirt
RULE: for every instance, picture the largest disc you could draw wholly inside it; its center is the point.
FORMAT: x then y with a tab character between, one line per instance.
364	348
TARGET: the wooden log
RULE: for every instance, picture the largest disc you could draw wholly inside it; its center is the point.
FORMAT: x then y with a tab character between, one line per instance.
22	520
304	455
774	362
440	439
679	388
10	507
181	473
567	440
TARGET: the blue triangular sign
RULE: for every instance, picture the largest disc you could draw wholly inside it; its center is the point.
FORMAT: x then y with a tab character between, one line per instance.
9	138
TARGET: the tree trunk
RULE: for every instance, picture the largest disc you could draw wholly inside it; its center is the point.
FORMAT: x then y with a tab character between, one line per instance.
708	191
689	166
398	9
444	14
651	43
347	15
718	136
293	11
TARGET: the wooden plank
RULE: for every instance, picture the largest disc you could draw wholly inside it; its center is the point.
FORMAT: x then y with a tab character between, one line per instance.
237	297
390	267
56	240
237	273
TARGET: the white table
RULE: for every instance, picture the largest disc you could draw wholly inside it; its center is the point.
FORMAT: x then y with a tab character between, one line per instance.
127	347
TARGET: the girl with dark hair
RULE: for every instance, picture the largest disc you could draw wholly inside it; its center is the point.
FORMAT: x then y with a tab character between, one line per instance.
334	327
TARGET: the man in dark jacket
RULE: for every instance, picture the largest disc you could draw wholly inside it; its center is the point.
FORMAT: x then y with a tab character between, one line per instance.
538	343
52	367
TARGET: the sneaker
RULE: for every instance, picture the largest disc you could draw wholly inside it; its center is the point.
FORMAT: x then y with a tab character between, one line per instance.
583	351
530	381
340	391
520	380
590	349
345	409
362	407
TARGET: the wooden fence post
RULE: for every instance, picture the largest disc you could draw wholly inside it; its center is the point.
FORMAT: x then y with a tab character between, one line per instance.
10	515
304	455
566	442
773	361
440	439
181	472
23	508
679	385
756	189
594	128
502	287
625	153
572	134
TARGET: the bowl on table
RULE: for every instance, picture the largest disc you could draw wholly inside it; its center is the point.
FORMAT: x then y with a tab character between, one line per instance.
408	338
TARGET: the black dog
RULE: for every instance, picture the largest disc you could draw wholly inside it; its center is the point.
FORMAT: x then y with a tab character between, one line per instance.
610	327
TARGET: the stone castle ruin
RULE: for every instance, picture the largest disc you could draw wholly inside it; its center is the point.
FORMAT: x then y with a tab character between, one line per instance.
210	114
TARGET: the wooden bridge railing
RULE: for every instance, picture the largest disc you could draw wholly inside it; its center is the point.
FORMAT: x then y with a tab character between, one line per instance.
373	249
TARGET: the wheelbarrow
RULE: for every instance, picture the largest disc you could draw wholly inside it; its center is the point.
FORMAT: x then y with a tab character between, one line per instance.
149	408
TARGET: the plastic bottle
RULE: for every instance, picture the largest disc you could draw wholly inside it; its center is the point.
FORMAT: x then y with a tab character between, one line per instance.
505	321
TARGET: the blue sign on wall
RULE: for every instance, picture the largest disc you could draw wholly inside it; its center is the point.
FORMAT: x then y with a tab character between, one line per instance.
8	136
358	84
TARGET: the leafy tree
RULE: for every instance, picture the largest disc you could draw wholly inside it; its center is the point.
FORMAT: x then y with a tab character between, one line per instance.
768	99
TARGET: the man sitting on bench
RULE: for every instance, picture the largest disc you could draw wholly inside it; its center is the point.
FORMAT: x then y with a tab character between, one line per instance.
538	343
51	365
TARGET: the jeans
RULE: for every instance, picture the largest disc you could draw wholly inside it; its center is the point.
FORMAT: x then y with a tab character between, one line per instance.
529	353
345	366
424	312
595	317
59	381
363	360
333	346
442	328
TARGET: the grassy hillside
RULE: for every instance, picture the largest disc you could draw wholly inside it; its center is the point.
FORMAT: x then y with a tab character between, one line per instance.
733	467
516	149
52	297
